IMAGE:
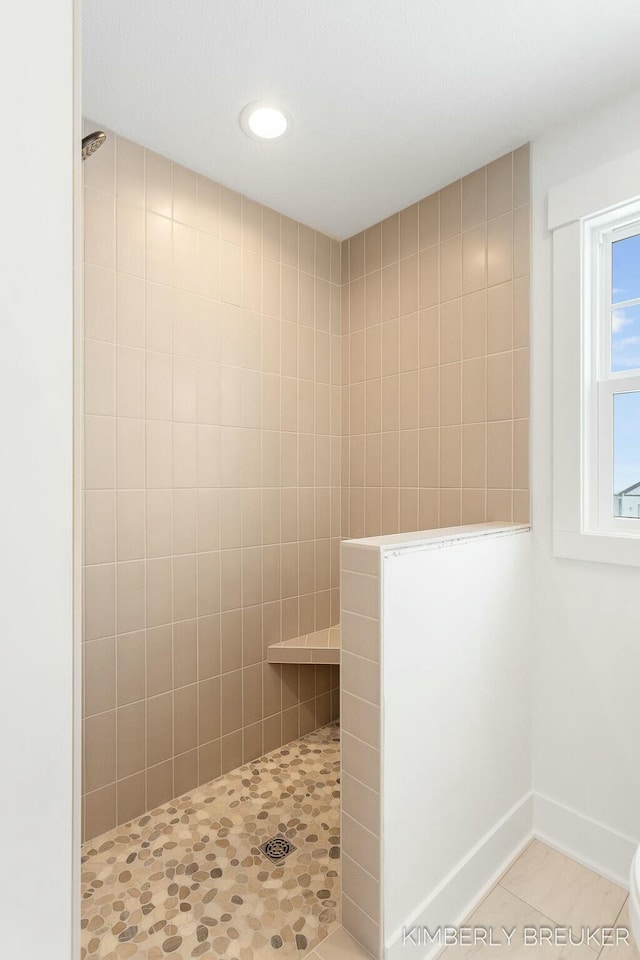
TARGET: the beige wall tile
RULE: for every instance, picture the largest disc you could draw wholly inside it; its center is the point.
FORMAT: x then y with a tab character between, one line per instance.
130	311
450	456
131	659
500	186
474	457
521	454
361	886
158	320
185	206
99	601
159	784
450	211
231	692
429	337
184	323
365	930
429	220
130	524
474	199
450	393
99	680
430	397
99	750
499	386
361	846
232	750
500	505
230	215
100	453
450	269
521	506
185	719
474	390
99	229
500	455
185	653
99	526
474	506
500	318
159	591
500	249
208	647
408	231
100	378
130	456
159	659
209	760
131	739
99	303
521	312
131	595
521	187
450	331
131	797
130	243
158	176
185	587
474	325
159	728
99	811
521	241
521	383
474	259
450	508
326	388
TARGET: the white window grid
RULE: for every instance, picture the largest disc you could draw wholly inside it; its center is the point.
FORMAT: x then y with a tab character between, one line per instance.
600	382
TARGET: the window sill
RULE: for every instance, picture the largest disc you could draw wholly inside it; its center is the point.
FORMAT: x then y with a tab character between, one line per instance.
597	547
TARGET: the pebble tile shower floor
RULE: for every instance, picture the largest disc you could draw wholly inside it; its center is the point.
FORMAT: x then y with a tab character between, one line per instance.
188	879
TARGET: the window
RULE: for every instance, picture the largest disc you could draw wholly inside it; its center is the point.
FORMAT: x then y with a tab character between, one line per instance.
611	365
594	224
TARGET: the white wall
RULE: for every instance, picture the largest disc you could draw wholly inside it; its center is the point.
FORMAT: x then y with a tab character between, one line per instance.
36	379
457	722
586	743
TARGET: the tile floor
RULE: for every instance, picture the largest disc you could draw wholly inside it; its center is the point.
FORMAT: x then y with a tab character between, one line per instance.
187	880
147	891
544	888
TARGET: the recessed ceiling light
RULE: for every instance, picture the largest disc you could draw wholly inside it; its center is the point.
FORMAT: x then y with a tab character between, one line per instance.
263	121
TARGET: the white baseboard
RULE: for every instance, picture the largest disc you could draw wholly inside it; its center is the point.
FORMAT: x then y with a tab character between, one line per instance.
585	840
467	883
591	843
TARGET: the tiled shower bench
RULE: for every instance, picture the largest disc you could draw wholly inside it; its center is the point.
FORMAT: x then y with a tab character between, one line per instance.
323	646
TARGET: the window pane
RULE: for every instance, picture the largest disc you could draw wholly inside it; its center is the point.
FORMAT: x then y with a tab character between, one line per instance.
625	338
626	454
625	269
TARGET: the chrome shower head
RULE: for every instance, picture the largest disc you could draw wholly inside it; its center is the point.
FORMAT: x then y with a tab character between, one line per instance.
92	142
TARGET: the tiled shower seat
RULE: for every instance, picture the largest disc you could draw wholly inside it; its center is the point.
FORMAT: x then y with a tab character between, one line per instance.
323	646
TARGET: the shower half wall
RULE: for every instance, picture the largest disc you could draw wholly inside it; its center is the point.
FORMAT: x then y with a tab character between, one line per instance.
212	478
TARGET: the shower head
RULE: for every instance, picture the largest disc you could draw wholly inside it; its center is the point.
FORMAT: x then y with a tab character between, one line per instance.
92	142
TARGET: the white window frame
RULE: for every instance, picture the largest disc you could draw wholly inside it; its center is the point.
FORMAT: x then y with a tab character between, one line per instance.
585	216
600	382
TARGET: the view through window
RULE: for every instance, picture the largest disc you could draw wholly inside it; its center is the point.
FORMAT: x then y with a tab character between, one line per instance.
625	361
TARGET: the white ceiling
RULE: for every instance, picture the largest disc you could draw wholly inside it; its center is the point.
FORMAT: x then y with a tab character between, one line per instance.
391	99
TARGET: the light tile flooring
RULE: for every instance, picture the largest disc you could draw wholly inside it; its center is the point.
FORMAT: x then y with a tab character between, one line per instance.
543	888
338	946
187	880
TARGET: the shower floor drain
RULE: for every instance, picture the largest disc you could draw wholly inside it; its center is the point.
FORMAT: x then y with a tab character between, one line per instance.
277	848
